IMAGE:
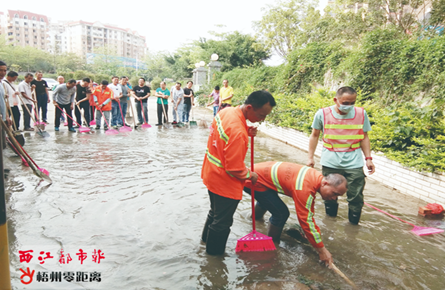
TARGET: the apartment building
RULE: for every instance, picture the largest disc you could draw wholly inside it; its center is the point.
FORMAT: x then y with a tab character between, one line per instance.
30	29
24	28
92	37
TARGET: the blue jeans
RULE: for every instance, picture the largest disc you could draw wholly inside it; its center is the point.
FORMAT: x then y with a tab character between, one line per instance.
186	112
141	116
124	112
115	114
177	113
270	201
215	110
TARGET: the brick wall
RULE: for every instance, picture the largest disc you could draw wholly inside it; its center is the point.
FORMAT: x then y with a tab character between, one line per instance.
429	187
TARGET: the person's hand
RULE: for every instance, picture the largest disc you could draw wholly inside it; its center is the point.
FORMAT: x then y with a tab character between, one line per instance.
310	162
8	122
253	178
72	106
33	86
325	256
49	101
371	166
252	131
55	103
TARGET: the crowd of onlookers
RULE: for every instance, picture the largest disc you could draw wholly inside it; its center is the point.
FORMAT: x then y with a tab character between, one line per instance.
94	102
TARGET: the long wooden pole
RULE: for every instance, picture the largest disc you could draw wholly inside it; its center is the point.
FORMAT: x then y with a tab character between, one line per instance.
340	273
24	155
5	275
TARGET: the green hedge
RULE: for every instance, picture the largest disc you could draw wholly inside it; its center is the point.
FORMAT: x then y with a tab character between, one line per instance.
401	83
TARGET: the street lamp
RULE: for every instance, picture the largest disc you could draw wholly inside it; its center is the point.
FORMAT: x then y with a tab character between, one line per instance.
202	63
214	57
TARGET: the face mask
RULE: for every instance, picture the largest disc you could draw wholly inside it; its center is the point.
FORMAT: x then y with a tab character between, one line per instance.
345	108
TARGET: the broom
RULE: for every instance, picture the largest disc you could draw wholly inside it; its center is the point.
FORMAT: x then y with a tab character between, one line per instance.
255	241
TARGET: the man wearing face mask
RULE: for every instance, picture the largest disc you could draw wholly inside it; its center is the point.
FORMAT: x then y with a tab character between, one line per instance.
345	137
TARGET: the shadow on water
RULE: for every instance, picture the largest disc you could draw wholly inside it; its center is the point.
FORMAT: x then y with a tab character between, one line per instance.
139	198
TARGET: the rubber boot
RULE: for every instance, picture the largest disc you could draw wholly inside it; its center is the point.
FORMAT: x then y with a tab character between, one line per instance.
354	216
216	242
331	209
274	232
206	229
259	211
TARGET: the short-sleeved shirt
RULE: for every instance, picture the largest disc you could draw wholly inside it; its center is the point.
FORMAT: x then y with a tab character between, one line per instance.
340	160
224	93
176	94
165	92
81	92
125	96
10	90
117	90
215	96
187	91
141	92
40	86
24	87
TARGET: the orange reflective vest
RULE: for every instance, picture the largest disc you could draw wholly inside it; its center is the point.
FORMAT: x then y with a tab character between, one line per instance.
297	181
343	135
102	97
226	151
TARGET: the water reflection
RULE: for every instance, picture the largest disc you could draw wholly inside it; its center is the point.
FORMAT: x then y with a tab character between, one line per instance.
139	198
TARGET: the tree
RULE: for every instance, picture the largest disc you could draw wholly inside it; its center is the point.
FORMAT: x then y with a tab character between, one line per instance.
280	26
234	50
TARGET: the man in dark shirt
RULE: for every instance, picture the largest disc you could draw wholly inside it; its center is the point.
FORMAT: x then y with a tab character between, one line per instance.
189	100
141	93
83	93
41	88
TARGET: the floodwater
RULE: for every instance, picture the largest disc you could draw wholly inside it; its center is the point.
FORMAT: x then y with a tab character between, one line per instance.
138	197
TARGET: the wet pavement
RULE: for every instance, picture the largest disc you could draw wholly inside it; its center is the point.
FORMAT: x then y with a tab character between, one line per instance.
138	197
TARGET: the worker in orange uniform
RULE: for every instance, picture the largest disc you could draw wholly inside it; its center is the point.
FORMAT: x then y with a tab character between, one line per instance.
102	100
223	171
301	183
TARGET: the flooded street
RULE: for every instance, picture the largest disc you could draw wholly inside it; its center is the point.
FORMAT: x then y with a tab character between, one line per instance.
138	197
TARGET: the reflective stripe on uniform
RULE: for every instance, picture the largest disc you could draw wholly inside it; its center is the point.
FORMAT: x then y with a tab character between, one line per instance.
300	178
310	221
343	137
327	145
222	134
274	174
213	159
338	126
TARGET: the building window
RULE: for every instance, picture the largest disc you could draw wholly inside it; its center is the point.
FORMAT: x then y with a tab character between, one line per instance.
25	17
34	18
27	41
16	16
41	19
10	33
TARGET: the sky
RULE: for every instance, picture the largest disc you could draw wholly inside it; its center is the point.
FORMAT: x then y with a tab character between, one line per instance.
166	25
